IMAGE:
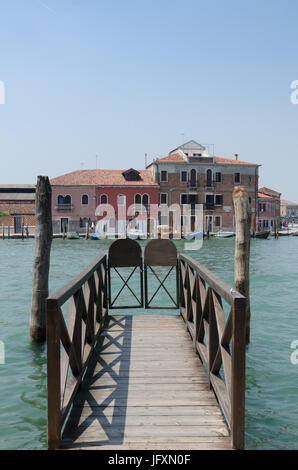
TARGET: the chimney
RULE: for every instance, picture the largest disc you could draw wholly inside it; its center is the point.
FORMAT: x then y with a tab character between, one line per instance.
236	156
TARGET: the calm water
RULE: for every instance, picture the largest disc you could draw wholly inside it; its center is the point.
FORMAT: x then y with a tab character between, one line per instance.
272	381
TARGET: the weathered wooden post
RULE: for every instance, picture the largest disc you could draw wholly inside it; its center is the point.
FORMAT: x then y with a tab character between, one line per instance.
242	249
87	231
3	231
8	232
43	240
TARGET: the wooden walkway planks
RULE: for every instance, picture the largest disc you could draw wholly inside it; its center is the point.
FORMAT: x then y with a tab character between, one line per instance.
145	388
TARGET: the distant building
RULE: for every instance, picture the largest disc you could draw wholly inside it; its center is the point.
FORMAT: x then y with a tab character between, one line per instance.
268	209
76	196
190	175
19	202
289	210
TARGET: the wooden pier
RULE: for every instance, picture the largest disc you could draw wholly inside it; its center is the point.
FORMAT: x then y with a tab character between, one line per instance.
146	381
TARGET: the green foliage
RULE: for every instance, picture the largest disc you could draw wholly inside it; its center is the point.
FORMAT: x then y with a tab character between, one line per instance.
4	214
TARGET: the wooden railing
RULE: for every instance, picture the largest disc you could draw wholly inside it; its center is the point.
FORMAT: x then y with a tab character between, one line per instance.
70	344
219	341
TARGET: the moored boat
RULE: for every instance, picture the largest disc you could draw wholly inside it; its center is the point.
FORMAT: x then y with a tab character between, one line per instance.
72	236
263	234
223	234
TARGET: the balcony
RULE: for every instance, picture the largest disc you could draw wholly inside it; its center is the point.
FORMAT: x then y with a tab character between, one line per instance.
193	184
64	207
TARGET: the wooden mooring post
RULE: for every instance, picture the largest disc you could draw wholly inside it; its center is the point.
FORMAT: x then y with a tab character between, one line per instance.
43	240
242	249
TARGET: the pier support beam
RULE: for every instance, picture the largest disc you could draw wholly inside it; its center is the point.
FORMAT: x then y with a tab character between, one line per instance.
242	248
41	266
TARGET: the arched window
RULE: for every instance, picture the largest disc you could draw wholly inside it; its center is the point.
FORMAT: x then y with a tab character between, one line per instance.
138	199
67	200
60	200
145	201
209	178
103	199
85	199
193	177
121	200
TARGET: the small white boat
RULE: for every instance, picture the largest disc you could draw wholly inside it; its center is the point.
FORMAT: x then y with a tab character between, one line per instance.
223	234
72	236
136	234
194	235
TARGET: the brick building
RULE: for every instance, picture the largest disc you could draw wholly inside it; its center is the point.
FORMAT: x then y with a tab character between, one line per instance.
190	175
77	195
19	202
289	211
268	209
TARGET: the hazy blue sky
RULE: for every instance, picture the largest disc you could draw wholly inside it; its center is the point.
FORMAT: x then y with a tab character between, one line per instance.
123	78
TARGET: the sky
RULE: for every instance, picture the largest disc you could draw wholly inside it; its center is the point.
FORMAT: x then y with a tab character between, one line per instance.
121	78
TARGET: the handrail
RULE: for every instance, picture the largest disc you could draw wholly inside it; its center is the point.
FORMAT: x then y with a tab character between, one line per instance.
219	342
87	312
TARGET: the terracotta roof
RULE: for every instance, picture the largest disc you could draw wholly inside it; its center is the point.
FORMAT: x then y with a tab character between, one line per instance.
176	157
18	208
262	195
102	178
269	192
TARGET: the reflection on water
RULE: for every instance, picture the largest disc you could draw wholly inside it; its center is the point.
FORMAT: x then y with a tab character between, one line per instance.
272	381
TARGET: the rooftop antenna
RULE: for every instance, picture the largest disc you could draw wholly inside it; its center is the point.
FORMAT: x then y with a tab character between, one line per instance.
145	160
96	160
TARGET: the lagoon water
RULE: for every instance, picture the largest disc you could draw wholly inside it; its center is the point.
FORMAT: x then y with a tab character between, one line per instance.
272	380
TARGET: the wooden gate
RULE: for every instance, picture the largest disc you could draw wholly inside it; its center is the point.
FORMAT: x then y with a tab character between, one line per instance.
125	253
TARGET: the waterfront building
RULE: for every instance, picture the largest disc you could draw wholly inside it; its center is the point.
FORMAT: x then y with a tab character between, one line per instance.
268	209
19	202
289	211
77	196
191	175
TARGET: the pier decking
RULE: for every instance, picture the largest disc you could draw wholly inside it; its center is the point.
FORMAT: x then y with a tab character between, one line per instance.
145	388
146	381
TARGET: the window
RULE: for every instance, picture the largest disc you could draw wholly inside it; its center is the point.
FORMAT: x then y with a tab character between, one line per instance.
145	201
163	175
85	199
209	178
103	199
237	178
218	200
218	177
183	198
249	179
163	198
249	200
183	176
67	200
137	199
193	177
217	220
121	200
60	200
197	154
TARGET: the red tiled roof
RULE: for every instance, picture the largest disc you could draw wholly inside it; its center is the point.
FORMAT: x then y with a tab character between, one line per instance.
262	195
18	208
176	157
102	178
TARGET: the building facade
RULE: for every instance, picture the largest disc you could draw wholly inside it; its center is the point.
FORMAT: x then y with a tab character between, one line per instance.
289	211
268	216
190	175
19	202
114	197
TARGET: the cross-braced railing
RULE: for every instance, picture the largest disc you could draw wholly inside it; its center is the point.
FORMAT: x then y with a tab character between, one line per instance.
70	343
219	341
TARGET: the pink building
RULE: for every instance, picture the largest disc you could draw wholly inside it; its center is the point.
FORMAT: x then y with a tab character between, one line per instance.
77	195
268	209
